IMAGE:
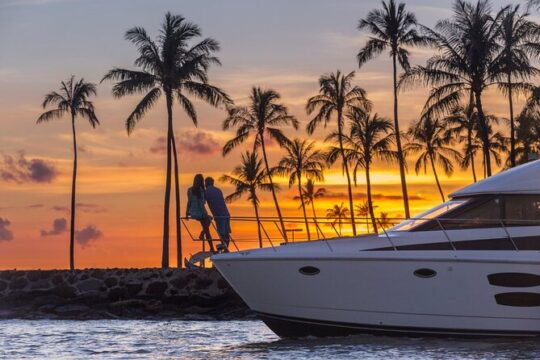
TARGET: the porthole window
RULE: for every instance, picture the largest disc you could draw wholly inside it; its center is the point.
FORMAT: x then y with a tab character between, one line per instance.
425	273
309	270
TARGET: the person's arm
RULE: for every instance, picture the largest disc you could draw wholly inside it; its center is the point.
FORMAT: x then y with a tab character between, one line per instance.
188	203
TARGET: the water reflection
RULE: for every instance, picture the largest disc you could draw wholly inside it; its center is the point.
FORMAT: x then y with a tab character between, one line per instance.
119	339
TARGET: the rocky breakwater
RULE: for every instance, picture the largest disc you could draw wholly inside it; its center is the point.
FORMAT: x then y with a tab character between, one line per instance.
118	293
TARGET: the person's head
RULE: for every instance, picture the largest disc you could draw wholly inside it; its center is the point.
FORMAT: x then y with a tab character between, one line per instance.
209	181
198	185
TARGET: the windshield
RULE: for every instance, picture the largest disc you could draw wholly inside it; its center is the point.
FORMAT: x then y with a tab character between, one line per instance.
433	213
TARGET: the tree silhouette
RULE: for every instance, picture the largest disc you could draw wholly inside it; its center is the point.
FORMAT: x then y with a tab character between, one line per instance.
393	29
336	96
262	117
301	160
72	100
170	67
247	178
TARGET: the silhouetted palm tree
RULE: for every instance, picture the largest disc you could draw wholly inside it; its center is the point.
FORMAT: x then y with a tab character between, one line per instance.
170	67
520	39
393	29
368	140
262	117
338	213
363	211
461	124
527	136
247	178
309	195
301	160
384	220
72	100
336	96
433	144
467	46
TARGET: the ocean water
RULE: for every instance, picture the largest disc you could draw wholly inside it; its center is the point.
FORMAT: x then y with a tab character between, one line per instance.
135	339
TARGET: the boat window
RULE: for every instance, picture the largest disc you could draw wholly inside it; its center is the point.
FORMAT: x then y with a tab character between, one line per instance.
522	210
437	212
484	214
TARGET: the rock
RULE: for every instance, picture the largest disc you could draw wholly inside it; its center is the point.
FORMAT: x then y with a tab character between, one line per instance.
64	291
117	293
57	279
111	281
157	288
202	283
18	283
133	288
179	282
40	284
98	274
3	285
34	275
7	275
71	310
89	285
222	284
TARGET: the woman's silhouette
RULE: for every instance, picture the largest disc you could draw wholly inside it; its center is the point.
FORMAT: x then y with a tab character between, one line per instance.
196	209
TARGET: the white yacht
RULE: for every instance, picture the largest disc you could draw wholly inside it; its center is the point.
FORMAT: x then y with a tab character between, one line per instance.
468	267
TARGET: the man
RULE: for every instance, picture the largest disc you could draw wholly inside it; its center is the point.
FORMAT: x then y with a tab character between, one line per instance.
216	203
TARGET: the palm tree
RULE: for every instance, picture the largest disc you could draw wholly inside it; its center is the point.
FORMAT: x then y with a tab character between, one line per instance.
262	117
172	67
337	213
433	144
393	29
301	160
308	197
384	220
527	136
247	178
461	124
368	140
72	99
467	46
336	96
520	39
363	211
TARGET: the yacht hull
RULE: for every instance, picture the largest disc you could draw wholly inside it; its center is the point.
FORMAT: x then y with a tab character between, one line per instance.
408	293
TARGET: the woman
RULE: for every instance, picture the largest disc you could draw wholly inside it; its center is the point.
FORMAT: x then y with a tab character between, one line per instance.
196	210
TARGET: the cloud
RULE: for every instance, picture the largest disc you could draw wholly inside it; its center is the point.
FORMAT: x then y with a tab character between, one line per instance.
193	141
34	206
82	207
59	226
21	170
87	235
5	233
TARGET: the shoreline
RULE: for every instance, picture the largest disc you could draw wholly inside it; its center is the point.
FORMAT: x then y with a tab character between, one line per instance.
94	294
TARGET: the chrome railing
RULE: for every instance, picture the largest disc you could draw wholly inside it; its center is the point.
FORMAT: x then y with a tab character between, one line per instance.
324	229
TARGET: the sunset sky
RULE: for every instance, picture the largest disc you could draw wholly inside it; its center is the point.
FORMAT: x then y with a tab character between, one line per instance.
281	44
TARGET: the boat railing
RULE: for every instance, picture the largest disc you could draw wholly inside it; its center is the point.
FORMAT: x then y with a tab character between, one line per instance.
245	233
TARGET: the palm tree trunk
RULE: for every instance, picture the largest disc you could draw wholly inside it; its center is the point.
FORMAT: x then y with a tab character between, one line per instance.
471	154
346	168
273	190
303	206
73	204
398	143
512	128
370	201
256	207
165	251
484	132
179	256
315	218
436	176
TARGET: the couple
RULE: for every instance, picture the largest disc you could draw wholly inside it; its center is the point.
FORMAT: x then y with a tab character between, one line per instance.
203	191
